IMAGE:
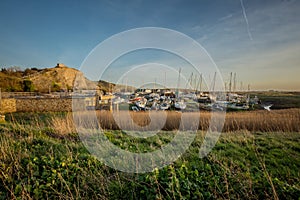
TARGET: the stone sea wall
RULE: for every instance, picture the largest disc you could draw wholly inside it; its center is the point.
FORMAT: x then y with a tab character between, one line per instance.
44	104
8	105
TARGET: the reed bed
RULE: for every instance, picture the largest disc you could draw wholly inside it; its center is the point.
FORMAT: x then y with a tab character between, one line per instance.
287	120
275	121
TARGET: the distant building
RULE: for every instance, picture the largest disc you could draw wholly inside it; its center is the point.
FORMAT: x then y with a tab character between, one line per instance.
60	65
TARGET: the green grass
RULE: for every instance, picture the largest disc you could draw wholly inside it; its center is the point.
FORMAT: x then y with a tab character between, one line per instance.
35	163
280	100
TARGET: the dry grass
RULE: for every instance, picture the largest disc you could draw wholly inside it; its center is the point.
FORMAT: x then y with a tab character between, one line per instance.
287	120
277	120
63	125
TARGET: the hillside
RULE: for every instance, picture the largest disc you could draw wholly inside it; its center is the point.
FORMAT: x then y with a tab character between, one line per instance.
10	83
59	78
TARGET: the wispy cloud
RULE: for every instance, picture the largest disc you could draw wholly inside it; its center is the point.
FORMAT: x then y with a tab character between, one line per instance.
246	19
226	17
273	55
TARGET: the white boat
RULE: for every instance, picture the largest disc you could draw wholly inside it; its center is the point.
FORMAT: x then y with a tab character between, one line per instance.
140	104
164	106
180	105
238	106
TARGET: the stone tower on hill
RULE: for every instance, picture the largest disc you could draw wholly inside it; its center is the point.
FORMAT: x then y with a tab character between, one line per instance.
60	65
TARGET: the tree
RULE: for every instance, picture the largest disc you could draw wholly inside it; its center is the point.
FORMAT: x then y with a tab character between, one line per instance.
28	86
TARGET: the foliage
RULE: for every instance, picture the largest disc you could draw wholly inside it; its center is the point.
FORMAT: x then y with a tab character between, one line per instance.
10	83
28	86
55	87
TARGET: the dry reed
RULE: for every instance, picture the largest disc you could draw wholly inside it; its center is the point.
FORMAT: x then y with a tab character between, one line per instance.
275	121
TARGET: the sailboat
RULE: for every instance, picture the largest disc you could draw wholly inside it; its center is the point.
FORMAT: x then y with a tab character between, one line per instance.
179	104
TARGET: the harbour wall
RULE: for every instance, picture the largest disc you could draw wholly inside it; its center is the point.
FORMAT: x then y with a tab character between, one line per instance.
43	104
8	105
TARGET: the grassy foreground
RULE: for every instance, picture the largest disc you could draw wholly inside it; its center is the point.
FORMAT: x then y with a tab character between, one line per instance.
37	161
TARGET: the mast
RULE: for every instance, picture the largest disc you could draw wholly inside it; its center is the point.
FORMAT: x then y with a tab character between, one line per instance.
126	84
230	84
197	84
189	83
191	80
234	82
248	97
214	82
165	80
200	83
241	89
178	82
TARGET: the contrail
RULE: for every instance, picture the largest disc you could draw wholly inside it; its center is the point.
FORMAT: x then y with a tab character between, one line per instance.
246	19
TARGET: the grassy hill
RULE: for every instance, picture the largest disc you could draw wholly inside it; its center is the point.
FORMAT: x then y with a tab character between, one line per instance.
59	78
10	83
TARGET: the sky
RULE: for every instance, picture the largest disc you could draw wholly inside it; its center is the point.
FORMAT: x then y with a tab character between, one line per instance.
259	40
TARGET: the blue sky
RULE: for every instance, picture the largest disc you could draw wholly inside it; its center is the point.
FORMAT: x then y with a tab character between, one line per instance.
257	39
